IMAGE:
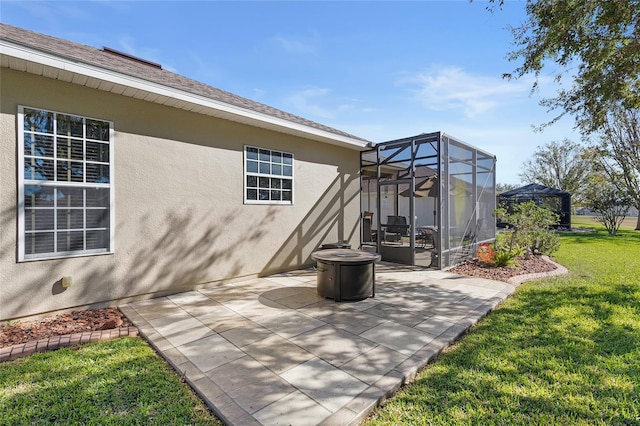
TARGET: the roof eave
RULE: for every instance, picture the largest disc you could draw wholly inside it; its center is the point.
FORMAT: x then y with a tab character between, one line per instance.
23	58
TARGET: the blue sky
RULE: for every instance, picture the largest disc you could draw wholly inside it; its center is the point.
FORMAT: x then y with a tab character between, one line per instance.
381	70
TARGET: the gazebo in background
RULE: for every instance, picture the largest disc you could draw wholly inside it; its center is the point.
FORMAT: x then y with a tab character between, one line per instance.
556	200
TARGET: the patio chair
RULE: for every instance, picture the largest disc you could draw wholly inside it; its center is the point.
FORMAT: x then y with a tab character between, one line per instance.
396	228
425	238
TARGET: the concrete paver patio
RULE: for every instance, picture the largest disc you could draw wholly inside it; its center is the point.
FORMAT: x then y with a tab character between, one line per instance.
271	351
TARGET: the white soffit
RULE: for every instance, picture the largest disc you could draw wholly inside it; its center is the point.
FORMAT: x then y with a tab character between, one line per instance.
22	58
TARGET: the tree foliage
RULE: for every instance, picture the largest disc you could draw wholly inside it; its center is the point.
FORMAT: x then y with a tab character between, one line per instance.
505	187
605	198
618	152
595	43
561	165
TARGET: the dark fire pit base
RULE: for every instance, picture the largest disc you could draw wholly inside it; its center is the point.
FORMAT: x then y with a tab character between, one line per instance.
346	274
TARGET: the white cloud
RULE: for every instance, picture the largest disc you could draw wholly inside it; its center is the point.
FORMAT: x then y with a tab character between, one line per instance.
259	93
57	14
316	103
295	46
444	88
203	68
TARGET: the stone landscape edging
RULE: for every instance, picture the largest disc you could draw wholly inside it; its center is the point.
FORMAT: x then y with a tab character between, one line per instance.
519	279
55	342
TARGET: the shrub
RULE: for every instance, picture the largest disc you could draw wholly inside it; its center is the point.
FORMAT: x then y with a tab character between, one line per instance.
506	258
545	242
531	229
499	255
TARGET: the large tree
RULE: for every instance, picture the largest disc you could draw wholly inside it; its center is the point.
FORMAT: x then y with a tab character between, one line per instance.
618	152
561	165
595	44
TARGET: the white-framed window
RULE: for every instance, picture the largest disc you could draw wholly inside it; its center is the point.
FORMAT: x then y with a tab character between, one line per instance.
65	185
268	176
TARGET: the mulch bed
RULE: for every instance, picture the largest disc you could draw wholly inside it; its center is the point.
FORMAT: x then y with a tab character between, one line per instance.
59	325
530	265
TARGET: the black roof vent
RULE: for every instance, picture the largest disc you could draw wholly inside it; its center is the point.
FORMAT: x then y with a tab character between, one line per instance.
131	57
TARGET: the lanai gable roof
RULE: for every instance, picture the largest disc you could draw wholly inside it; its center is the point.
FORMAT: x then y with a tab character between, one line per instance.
76	63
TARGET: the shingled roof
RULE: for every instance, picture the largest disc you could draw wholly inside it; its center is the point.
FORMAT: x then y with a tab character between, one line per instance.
206	98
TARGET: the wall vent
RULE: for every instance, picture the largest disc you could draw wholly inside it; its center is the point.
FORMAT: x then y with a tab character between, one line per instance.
131	57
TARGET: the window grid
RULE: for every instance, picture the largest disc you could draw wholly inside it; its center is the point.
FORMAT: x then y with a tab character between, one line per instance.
268	176
61	165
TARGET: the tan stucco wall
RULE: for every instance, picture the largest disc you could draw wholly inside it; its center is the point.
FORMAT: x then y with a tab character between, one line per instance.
179	213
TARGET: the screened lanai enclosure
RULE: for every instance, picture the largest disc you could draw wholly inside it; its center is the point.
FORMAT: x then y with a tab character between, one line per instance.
427	200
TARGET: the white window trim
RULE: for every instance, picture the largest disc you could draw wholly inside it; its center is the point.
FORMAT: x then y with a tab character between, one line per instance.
21	184
246	173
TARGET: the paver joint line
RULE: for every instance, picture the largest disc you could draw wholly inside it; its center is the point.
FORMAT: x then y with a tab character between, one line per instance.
336	389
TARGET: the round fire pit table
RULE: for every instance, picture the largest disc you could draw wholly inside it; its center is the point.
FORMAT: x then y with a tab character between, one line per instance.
345	274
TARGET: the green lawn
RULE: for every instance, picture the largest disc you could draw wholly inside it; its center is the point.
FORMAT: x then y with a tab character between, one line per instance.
116	382
561	351
628	223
